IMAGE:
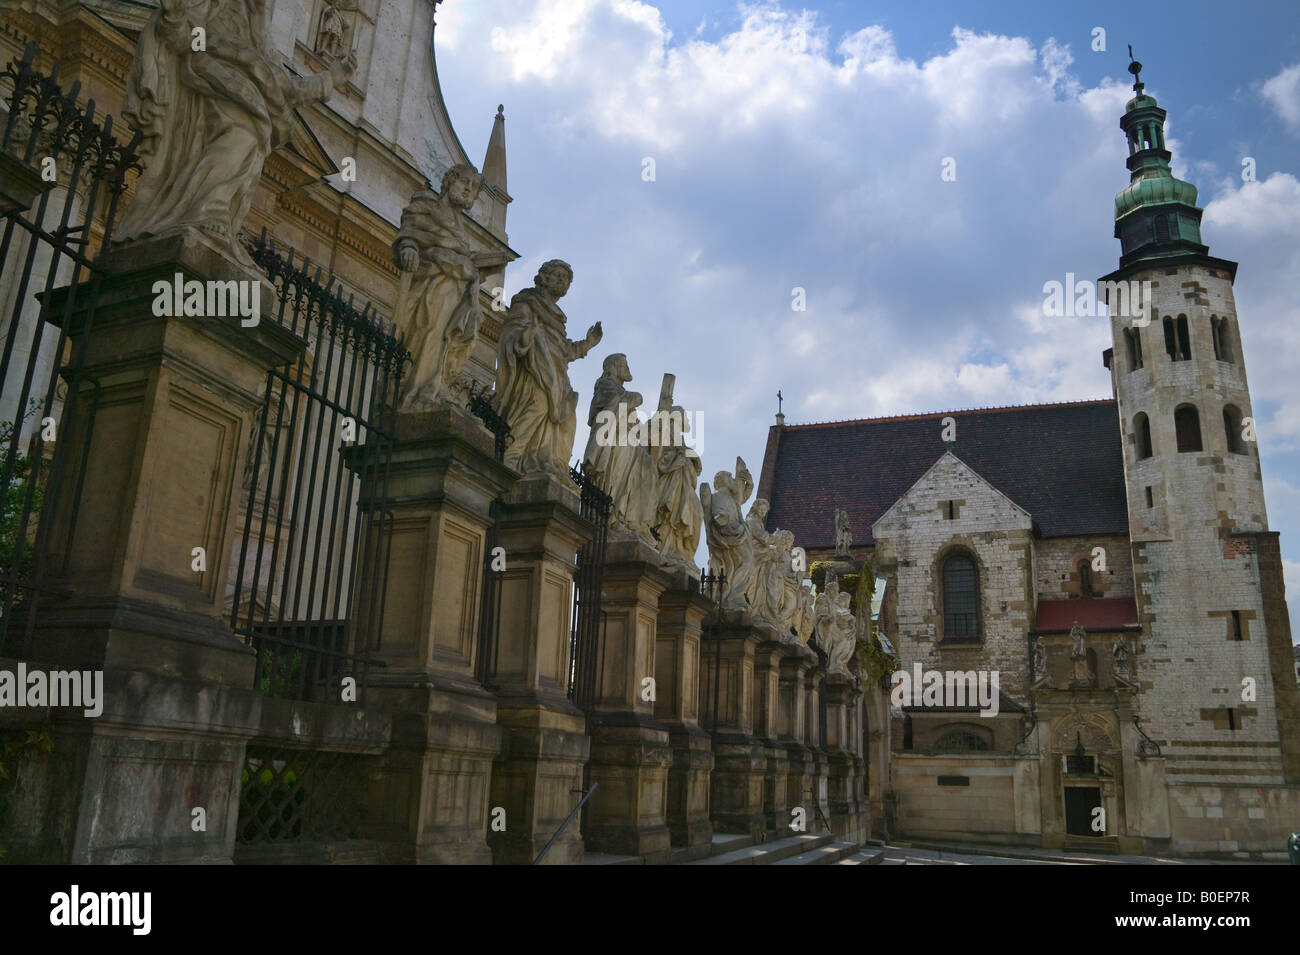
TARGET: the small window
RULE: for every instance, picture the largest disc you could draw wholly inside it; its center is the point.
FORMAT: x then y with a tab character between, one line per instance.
1232	429
1214	337
1232	719
1171	339
907	732
1225	341
1133	346
960	598
1085	579
1142	430
1237	633
1187	427
1184	340
1151	502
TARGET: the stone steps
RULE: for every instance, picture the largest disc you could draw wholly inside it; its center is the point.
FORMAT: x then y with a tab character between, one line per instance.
830	854
865	855
768	852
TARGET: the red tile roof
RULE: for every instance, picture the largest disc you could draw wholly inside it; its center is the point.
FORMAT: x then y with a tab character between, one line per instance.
1093	614
1060	462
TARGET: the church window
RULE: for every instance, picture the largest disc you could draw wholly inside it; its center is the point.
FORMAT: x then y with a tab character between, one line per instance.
1133	345
1085	579
960	598
1142	429
1171	339
1184	340
1187	427
1232	429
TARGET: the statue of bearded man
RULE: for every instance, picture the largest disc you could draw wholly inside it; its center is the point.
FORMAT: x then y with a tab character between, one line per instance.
533	390
621	464
209	117
731	543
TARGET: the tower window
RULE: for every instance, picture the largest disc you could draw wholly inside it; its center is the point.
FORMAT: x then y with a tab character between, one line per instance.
1232	429
1085	580
1133	345
960	598
1151	500
1162	229
1187	427
1232	719
1219	335
1142	430
1177	341
1237	633
1184	339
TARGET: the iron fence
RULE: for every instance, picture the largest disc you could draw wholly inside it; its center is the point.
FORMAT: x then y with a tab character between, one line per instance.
309	585
62	175
585	637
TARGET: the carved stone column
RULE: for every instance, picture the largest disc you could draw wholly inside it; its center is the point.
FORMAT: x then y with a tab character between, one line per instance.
792	727
630	750
739	760
767	680
539	775
435	785
678	672
844	815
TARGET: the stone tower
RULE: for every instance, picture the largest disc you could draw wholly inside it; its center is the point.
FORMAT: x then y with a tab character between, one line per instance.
1214	694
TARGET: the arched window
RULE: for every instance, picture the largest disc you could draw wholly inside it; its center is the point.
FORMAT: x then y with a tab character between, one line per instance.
1085	579
960	598
1142	429
1214	337
1187	427
1222	339
1184	340
1171	339
1133	344
1232	429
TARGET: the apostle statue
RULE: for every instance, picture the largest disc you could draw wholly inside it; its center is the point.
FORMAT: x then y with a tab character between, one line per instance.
533	391
329	42
210	116
617	453
843	537
731	544
774	591
805	615
437	301
678	514
835	626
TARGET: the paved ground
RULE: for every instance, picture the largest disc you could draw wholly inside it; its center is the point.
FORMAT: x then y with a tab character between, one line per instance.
990	855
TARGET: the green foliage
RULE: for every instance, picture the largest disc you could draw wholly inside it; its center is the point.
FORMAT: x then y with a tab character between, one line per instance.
13	498
280	672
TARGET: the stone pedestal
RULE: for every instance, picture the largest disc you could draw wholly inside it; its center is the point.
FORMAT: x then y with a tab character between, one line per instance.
767	679
792	727
739	760
678	672
818	792
539	776
630	751
172	401
845	814
437	773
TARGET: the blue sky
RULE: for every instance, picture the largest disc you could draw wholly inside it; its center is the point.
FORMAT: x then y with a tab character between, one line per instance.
802	146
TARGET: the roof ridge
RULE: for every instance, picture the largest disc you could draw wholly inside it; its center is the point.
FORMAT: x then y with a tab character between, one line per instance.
952	411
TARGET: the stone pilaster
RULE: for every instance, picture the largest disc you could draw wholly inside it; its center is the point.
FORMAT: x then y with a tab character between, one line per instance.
819	790
792	727
630	751
767	680
172	401
539	776
678	672
845	814
437	774
739	760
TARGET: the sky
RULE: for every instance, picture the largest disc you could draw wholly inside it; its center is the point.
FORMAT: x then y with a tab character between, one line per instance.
798	147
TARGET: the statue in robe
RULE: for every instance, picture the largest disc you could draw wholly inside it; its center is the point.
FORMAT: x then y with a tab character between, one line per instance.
731	544
533	391
437	301
616	450
679	512
843	536
209	117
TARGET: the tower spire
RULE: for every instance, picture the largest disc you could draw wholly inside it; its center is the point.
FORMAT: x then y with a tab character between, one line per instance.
494	162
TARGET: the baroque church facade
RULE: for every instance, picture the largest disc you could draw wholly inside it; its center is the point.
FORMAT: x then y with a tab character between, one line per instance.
1110	561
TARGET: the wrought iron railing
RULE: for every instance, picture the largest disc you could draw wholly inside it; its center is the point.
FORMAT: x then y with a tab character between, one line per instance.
309	587
62	175
585	638
301	795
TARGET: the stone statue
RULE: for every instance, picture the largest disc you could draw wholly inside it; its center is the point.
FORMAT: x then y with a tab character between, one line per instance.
616	454
1121	654
533	389
330	39
437	301
1079	654
1040	659
843	537
774	589
209	118
731	545
678	514
805	615
835	627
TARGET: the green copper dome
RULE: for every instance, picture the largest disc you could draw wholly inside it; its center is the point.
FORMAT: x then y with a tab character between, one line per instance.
1153	189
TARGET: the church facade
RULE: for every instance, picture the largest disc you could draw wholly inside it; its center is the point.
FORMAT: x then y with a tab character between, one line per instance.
1106	567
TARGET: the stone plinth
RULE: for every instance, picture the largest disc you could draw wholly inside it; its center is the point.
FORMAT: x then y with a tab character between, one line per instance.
630	752
817	793
437	774
539	776
678	672
739	759
792	726
172	401
767	679
845	805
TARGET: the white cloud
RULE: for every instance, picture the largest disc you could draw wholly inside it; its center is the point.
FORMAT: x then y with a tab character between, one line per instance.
1283	93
